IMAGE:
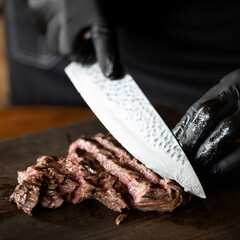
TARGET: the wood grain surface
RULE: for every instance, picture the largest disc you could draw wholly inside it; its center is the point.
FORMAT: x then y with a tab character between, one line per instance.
217	217
19	120
4	75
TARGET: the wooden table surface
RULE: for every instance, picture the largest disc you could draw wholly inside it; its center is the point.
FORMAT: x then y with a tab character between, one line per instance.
19	120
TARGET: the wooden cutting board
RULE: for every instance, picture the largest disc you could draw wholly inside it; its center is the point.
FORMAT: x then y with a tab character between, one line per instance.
217	217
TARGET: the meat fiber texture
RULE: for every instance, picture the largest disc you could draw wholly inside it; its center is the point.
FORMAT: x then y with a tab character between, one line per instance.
47	183
97	168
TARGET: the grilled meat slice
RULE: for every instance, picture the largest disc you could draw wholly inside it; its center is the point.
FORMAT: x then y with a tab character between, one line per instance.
88	172
145	195
26	195
174	193
46	182
110	143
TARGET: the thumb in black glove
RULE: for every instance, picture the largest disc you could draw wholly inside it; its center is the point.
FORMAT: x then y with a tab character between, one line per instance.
209	132
79	30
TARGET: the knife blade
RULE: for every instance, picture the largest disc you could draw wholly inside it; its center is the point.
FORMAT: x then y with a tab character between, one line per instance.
129	116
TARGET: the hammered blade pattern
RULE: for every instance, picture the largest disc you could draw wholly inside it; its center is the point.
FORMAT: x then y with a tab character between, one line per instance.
129	116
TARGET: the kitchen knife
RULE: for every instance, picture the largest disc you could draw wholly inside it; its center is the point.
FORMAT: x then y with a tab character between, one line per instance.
129	116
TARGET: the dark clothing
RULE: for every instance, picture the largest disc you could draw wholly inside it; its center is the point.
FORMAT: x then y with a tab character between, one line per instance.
178	51
175	52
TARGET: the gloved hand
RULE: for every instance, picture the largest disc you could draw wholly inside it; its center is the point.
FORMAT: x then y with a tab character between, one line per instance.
209	132
79	30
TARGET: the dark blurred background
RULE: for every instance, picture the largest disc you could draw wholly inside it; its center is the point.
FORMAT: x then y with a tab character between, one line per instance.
35	76
176	52
24	106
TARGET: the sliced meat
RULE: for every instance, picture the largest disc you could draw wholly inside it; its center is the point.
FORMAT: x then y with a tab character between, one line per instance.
112	197
145	194
175	193
101	185
58	184
97	168
26	195
110	143
166	200
86	181
137	186
46	182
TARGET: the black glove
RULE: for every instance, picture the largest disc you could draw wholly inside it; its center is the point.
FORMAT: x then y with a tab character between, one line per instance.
79	30
209	132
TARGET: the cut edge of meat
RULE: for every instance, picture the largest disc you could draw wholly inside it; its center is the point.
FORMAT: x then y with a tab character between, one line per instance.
104	187
110	143
26	196
85	188
46	182
137	186
175	191
146	195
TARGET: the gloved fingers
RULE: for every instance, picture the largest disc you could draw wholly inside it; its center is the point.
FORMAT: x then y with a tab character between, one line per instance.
231	80
179	129
106	52
83	49
228	164
204	115
220	142
75	40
